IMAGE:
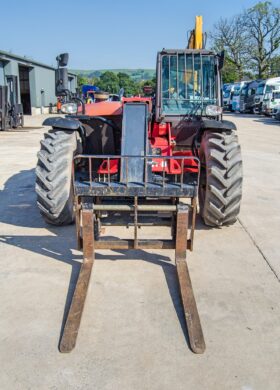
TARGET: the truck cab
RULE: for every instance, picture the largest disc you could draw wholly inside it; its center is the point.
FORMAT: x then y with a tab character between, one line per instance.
235	101
227	96
271	102
265	87
247	97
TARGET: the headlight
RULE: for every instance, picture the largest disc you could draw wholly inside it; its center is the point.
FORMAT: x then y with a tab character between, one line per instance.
69	108
212	110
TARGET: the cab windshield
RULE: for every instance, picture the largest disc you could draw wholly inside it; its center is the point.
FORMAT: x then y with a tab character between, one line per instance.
260	89
244	90
270	88
236	91
189	83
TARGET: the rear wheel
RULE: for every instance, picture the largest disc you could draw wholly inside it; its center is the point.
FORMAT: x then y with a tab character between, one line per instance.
220	187
54	186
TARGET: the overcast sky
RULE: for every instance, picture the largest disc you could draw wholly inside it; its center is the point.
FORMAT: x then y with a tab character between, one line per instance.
106	33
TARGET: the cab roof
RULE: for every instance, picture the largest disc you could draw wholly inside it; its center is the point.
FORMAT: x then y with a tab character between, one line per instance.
187	51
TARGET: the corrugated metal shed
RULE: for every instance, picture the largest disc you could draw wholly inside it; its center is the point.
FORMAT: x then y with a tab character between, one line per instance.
36	81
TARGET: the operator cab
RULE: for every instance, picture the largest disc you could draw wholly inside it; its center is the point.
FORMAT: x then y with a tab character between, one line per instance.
187	82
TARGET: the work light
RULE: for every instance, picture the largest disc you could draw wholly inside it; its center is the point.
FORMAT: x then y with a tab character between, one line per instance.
69	108
212	110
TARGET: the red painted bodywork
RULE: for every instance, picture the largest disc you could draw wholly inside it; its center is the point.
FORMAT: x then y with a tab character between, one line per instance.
159	135
113	167
104	109
139	100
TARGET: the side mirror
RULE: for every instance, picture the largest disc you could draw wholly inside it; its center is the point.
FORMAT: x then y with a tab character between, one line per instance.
61	81
221	59
62	59
121	93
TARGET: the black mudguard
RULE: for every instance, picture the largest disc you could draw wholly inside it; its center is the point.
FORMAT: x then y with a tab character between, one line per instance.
63	123
71	124
212	124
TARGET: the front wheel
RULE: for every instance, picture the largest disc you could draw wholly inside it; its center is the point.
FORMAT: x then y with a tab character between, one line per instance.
220	188
54	186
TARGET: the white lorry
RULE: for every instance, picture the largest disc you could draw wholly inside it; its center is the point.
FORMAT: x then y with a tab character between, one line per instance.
271	102
264	88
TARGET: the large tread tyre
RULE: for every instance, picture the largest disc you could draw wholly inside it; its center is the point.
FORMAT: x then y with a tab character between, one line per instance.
220	189
54	186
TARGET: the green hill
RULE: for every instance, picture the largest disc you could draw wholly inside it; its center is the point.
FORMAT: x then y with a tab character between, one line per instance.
135	74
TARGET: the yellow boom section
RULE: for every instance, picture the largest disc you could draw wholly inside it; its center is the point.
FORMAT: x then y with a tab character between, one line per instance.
196	36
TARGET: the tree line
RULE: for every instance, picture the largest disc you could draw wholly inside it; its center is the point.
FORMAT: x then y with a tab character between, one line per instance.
251	41
112	82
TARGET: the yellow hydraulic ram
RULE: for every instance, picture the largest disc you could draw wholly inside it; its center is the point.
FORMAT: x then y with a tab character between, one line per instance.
196	39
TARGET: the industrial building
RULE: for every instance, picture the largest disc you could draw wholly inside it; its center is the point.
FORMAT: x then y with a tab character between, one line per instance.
35	82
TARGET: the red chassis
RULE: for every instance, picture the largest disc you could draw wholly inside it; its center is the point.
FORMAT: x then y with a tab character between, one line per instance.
160	136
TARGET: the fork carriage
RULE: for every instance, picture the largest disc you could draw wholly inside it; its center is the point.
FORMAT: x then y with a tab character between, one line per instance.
97	193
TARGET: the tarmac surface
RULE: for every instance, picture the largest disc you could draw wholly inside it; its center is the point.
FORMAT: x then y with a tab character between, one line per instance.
133	334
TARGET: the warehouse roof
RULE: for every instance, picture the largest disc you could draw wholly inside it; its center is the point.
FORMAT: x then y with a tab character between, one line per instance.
4	55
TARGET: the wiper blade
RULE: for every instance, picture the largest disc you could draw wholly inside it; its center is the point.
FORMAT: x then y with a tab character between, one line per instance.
194	109
199	105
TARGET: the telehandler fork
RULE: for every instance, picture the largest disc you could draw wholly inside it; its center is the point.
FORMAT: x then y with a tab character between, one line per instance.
127	162
182	231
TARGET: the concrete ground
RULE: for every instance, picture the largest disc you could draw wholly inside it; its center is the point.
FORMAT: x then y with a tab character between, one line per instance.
132	334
